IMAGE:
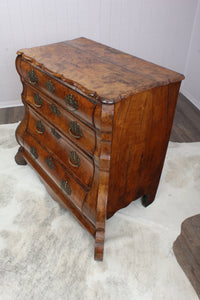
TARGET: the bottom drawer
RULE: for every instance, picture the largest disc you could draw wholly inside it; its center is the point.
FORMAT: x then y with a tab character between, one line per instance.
69	187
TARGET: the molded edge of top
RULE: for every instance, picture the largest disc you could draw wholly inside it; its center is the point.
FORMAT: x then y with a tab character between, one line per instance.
72	84
89	93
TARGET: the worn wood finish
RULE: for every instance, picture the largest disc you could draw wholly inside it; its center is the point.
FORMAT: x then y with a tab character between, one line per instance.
62	122
114	110
187	250
140	164
59	94
186	125
100	72
76	193
60	148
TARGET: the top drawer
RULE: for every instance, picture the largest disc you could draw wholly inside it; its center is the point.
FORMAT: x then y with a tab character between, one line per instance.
66	97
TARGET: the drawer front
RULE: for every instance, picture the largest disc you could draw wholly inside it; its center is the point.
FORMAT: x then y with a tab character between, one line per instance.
79	164
70	100
70	188
73	128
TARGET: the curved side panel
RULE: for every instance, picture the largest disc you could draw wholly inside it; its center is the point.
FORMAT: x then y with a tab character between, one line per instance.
104	171
21	129
90	202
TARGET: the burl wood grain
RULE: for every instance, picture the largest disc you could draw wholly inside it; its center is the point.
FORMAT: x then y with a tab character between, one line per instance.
85	109
60	148
104	73
126	110
62	122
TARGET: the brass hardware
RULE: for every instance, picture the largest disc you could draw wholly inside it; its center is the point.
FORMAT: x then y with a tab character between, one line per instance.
55	110
73	159
49	162
50	86
55	133
32	77
37	100
65	186
34	152
75	130
71	101
39	127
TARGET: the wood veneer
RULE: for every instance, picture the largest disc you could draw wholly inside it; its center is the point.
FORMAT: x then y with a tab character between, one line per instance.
120	120
185	129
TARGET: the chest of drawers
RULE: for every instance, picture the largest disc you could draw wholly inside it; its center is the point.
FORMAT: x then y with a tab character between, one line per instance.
96	127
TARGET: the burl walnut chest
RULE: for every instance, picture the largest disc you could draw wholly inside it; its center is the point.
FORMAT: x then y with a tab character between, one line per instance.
96	127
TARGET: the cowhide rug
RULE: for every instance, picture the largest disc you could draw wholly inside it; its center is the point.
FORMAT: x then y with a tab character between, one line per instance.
45	254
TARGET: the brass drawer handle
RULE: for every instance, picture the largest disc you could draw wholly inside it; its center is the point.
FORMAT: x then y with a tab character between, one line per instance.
34	152
32	77
39	127
49	162
55	110
71	101
74	160
37	101
75	130
55	133
50	86
65	186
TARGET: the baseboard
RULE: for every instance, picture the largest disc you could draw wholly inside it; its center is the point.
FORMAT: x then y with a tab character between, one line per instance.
190	98
14	103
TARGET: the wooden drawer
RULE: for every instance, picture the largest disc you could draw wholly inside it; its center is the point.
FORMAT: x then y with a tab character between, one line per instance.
79	164
73	128
70	100
70	188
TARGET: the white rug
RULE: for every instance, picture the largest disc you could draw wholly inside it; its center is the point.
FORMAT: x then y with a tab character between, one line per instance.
45	254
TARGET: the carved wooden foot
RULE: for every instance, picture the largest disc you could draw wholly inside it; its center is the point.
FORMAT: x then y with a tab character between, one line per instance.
148	199
19	157
99	245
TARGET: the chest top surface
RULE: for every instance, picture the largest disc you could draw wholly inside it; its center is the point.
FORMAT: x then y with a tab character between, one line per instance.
100	71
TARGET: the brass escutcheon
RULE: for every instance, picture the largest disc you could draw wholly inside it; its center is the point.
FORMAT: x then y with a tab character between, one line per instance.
34	152
55	133
50	87
71	101
55	110
49	162
65	186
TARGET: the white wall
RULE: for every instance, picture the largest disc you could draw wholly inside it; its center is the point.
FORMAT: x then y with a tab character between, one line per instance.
191	85
156	30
